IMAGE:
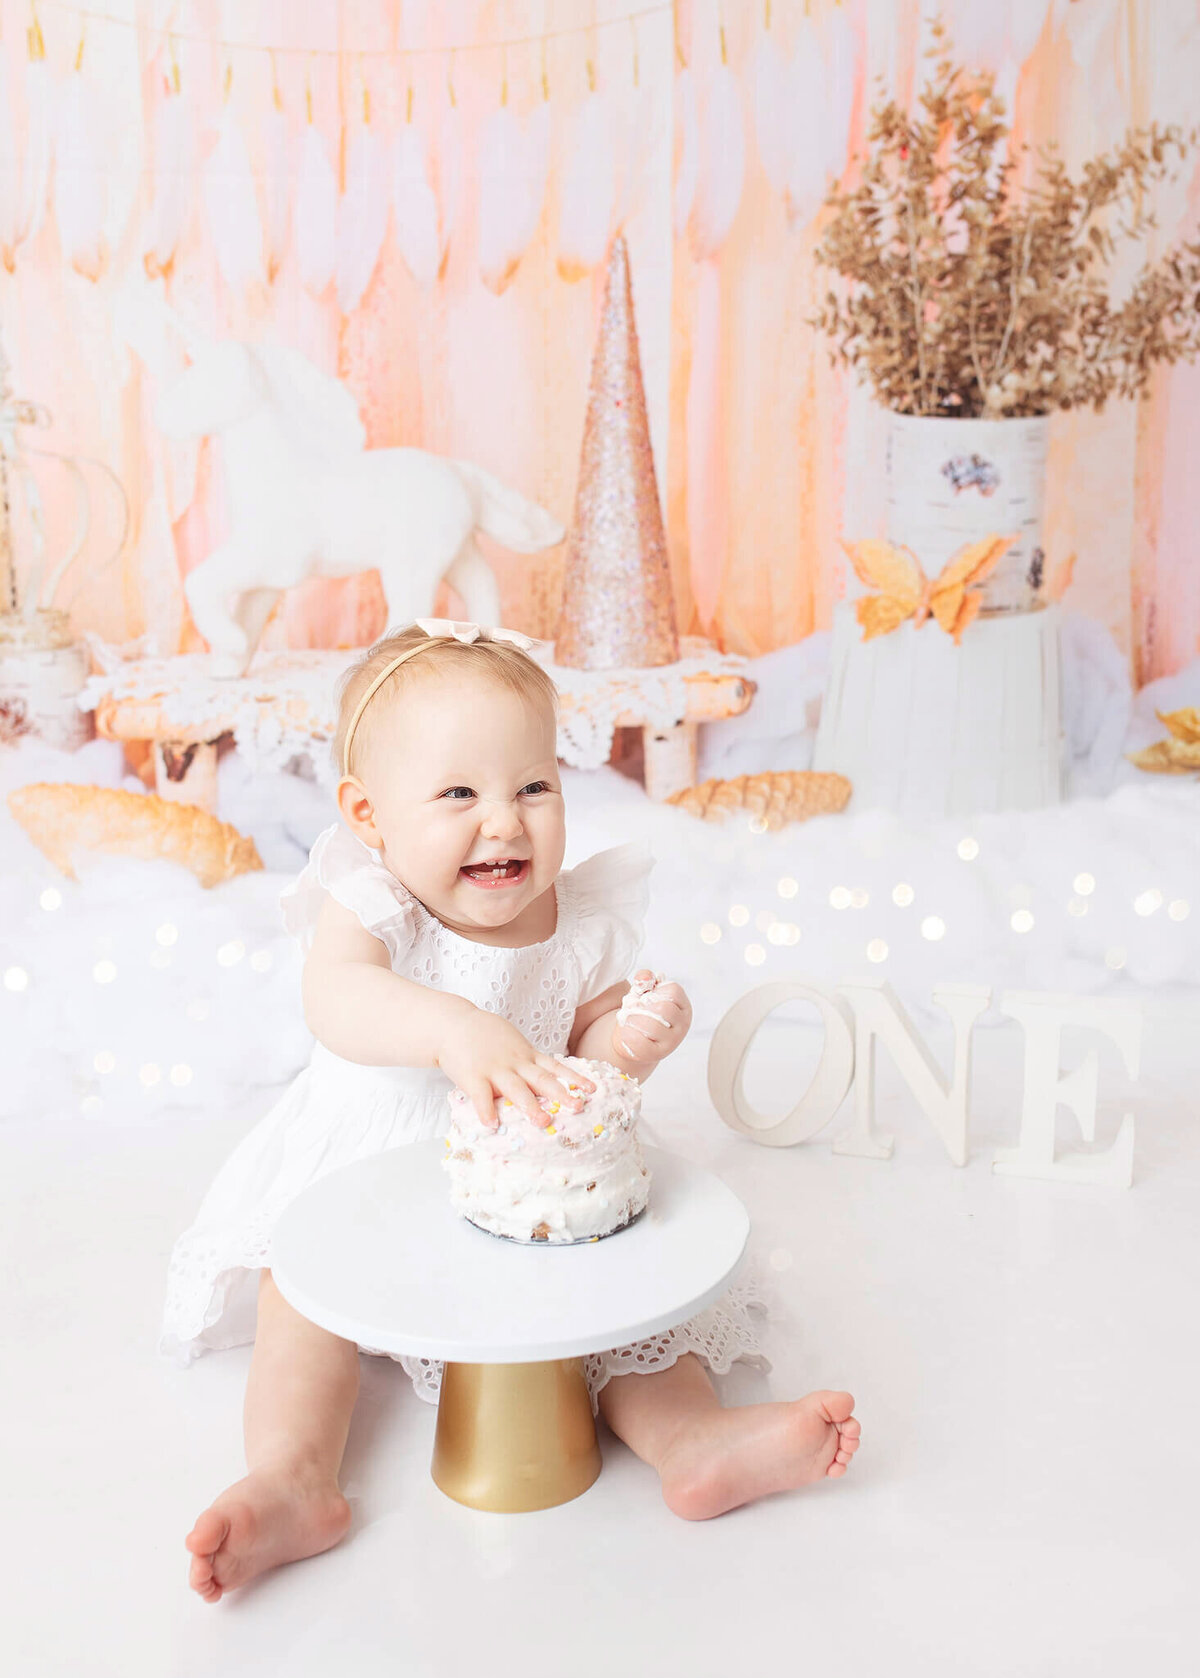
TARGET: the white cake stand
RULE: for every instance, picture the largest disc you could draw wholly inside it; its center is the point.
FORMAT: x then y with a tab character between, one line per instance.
375	1253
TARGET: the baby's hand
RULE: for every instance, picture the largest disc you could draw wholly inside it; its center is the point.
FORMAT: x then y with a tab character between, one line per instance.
650	1036
488	1058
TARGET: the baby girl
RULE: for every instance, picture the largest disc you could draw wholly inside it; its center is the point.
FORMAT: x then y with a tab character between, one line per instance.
445	945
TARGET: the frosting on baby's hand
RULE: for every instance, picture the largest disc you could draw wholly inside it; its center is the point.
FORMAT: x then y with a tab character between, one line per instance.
639	993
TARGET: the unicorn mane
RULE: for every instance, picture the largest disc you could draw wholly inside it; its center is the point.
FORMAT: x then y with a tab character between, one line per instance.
319	414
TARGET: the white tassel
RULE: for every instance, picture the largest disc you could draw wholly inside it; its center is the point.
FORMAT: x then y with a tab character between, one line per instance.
643	129
10	166
841	70
1026	19
277	185
316	213
174	164
80	189
979	34
512	186
589	189
39	150
415	206
769	79
1085	26
810	145
362	217
687	150
232	206
449	172
722	165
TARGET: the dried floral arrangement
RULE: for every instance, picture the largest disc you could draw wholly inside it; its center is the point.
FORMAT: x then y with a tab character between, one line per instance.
970	298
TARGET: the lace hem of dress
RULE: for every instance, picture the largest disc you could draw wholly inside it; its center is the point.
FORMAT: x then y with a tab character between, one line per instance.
720	1336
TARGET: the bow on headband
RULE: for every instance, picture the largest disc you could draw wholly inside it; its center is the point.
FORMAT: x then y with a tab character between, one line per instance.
435	628
468	632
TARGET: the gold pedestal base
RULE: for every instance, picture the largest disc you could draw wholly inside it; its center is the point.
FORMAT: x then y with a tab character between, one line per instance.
512	1437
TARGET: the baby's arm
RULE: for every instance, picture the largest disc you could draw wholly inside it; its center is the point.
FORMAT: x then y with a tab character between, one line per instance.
359	1009
642	1040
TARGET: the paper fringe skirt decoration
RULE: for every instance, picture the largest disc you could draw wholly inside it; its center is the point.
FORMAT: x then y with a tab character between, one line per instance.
618	607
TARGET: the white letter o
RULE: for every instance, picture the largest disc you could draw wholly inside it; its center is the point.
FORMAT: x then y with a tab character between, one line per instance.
731	1044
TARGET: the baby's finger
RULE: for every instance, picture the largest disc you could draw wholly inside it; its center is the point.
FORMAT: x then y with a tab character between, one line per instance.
483	1098
566	1075
547	1084
519	1093
638	1031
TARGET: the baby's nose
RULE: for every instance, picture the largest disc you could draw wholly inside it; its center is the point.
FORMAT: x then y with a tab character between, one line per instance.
501	821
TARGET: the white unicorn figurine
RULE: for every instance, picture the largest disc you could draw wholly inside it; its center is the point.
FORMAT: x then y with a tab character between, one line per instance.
307	499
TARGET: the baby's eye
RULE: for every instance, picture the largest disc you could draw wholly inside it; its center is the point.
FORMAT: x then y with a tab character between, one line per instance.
537	786
452	792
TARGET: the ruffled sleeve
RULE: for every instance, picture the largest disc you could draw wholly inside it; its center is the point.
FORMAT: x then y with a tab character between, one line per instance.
610	893
342	867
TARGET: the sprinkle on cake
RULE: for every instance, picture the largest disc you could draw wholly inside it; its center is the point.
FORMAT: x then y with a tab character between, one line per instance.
578	1179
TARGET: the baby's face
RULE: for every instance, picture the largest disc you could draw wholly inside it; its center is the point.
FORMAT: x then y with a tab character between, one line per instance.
462	773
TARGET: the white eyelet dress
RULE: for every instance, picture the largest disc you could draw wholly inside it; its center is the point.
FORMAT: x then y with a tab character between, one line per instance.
336	1111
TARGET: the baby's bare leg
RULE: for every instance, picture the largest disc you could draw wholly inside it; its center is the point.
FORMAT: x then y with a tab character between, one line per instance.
299	1397
710	1459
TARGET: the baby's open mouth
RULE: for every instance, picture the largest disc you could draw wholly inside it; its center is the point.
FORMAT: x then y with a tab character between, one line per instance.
492	874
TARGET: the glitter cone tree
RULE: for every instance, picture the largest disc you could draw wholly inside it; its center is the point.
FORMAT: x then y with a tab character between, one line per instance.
618	609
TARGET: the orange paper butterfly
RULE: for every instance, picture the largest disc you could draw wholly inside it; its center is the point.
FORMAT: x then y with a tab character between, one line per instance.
904	591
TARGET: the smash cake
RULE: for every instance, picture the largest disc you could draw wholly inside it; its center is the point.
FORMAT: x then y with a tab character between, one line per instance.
578	1179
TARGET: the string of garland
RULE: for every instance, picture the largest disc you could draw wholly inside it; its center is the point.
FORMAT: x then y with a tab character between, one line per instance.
497	43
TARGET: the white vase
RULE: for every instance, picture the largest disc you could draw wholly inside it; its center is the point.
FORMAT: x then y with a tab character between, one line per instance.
953	481
925	728
42	672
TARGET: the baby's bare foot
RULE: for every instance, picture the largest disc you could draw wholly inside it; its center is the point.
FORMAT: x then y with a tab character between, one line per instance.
270	1517
734	1456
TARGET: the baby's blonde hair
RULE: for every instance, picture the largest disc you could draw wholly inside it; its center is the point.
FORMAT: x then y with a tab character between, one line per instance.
500	660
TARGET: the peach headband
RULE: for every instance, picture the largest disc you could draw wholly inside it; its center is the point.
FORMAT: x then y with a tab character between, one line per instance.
437	629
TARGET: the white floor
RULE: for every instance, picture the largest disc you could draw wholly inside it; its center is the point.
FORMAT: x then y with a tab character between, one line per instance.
1024	1358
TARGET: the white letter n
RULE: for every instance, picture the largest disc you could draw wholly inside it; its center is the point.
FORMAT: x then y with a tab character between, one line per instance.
878	1013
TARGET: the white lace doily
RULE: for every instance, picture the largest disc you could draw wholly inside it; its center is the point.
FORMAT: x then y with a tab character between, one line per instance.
285	706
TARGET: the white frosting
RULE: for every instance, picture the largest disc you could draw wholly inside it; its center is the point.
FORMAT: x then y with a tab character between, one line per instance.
635	999
580	1178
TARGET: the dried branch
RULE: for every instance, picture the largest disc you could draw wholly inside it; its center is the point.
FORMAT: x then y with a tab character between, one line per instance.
963	296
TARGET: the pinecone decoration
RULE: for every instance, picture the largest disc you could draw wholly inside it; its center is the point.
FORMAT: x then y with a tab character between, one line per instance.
776	797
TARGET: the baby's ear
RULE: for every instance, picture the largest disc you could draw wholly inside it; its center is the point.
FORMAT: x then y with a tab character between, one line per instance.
358	812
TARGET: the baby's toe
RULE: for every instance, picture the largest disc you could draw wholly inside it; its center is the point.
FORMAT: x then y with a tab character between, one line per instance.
208	1534
200	1577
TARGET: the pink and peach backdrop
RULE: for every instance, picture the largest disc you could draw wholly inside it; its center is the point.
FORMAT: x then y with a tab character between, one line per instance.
765	453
